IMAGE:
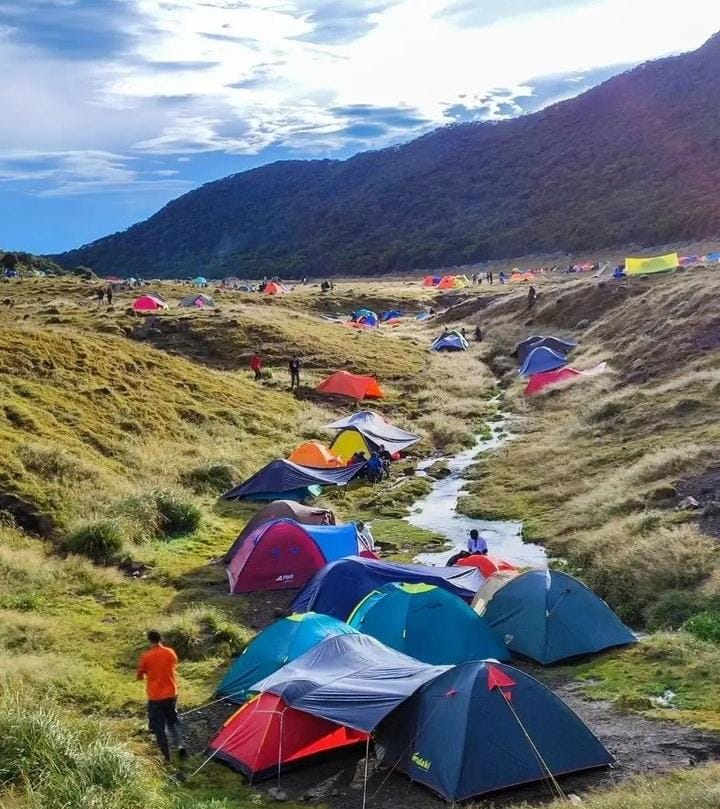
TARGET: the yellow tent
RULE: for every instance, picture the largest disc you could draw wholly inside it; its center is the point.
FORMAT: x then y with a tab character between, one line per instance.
642	266
347	443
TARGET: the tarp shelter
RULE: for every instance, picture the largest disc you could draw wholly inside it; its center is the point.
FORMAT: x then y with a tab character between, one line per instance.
645	266
542	359
266	737
317	455
338	588
484	726
284	554
274	647
548	616
352	680
376	431
273	288
427	623
487	565
197	301
560	345
282	479
200	281
453	341
343	383
149	303
277	510
538	382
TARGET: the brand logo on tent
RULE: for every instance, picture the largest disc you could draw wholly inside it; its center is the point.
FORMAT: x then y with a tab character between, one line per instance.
421	762
285	577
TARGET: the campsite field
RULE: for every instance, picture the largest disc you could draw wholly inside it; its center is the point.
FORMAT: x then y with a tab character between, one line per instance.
124	429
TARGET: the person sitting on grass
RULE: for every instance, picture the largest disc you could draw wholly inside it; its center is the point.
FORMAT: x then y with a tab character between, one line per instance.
158	667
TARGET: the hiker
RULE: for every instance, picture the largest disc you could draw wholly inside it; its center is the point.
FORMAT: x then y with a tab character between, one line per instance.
489	277
476	544
294	368
532	297
386	459
365	536
358	457
478	334
109	295
375	468
474	278
100	295
445	333
158	667
256	364
463	332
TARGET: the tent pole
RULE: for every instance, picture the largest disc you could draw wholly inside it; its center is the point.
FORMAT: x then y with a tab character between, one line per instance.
365	779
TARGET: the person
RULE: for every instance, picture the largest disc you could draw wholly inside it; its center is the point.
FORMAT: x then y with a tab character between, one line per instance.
109	294
100	295
386	459
375	468
478	334
256	364
463	332
502	277
532	297
158	668
294	368
474	278
489	277
358	457
365	536
476	544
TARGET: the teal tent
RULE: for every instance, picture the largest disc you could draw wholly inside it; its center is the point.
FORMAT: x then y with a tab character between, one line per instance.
280	643
427	623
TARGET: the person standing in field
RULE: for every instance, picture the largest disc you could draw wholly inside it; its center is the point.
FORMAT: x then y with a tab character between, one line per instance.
532	297
158	668
294	368
256	364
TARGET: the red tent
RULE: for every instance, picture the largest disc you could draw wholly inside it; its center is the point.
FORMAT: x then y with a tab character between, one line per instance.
276	556
148	303
273	288
428	281
266	736
538	382
342	383
487	565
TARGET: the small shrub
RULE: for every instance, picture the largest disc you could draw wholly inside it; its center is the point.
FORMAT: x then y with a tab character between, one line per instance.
177	516
20	418
99	541
214	478
674	608
705	625
203	632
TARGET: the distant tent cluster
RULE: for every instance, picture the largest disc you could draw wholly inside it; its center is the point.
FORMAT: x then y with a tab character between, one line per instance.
446	282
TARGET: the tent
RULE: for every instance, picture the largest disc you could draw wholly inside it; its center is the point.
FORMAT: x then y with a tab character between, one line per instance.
198	301
352	680
392	314
560	345
714	257
538	382
315	454
365	317
645	266
428	281
542	359
284	554
449	282
273	288
281	642
452	341
486	564
149	303
548	616
339	587
282	479
266	737
373	430
427	623
200	281
482	727
343	383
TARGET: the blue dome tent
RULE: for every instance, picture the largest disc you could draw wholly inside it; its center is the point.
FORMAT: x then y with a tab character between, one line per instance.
282	642
482	727
560	345
548	616
340	586
453	341
427	623
542	359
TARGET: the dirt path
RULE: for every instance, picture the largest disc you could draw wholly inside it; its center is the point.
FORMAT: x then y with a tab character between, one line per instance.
640	746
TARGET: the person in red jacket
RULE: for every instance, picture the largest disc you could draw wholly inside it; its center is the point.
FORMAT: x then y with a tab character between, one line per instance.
158	667
256	364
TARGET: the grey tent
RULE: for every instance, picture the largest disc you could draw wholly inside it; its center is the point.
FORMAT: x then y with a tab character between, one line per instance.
376	431
558	344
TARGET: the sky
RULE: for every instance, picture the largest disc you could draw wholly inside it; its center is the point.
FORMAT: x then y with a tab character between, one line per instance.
111	108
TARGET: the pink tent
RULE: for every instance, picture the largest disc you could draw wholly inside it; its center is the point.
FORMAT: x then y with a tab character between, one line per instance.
148	303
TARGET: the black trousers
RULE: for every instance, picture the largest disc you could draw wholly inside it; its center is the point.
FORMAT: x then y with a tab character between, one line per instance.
294	379
162	717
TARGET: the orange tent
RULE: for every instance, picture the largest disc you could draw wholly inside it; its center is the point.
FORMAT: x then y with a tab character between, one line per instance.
274	289
343	383
428	281
316	455
448	282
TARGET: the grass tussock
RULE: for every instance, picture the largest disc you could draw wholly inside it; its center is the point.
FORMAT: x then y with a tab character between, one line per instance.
202	632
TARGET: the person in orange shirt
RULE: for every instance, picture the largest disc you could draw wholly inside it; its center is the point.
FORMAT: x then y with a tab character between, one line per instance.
158	667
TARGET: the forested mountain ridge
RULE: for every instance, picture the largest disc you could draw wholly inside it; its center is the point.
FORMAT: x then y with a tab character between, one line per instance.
636	159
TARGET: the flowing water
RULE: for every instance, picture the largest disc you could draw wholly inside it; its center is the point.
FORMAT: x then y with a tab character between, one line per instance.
437	512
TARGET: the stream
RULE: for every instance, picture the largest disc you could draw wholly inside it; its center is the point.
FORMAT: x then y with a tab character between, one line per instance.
438	513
